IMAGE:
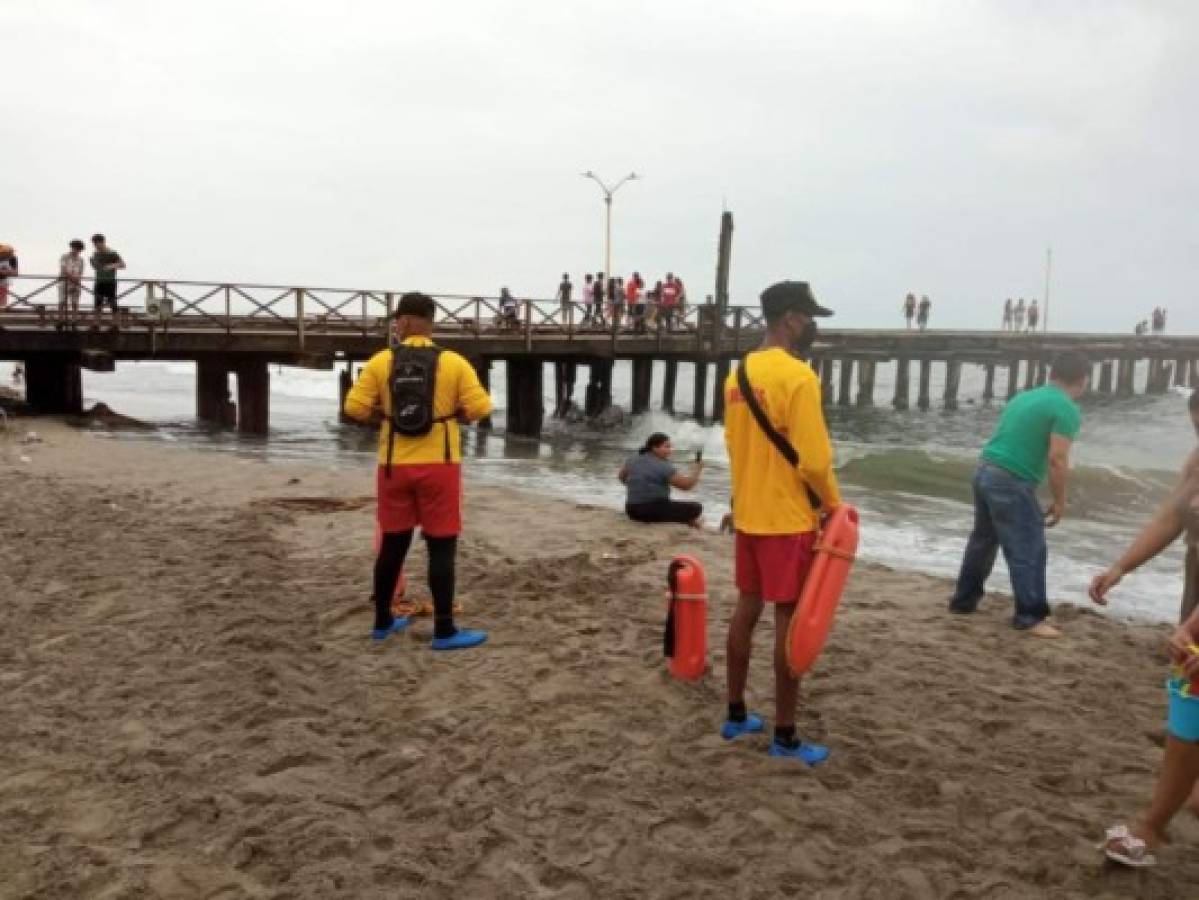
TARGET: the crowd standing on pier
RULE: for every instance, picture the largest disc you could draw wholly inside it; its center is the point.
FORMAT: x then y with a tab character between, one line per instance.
624	303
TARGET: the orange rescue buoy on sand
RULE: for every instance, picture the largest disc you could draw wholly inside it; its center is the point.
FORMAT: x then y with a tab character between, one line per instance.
685	642
835	549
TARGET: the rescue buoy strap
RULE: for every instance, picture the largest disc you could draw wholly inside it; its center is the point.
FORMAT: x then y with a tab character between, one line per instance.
834	551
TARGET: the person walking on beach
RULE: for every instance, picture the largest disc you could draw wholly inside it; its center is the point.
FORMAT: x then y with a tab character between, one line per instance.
774	513
909	310
1177	781
1007	314
70	282
648	477
564	291
1033	437
106	262
922	312
8	267
1034	315
1018	315
419	393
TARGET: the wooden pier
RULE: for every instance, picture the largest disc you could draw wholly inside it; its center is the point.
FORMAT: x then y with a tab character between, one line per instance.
243	329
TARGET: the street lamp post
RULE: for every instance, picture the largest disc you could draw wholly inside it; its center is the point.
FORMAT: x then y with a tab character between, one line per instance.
608	192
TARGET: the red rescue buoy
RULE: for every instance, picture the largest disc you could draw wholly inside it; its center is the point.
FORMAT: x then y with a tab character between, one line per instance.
685	642
835	549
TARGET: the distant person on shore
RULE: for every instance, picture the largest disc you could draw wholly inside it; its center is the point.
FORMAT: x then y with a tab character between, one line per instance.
1034	315
1033	437
922	312
70	283
419	477
774	517
1007	314
909	310
648	477
8	267
565	288
1018	315
1177	516
106	262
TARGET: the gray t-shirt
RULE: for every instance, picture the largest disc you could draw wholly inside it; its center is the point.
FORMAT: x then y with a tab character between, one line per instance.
649	478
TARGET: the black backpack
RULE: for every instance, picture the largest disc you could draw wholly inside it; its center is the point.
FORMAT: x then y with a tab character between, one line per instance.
412	385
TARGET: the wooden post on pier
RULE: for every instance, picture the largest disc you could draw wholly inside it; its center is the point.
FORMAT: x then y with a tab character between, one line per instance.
723	367
54	384
700	398
526	409
1126	369
843	398
989	384
669	377
1013	378
1105	377
953	381
643	384
1193	374
902	382
253	397
213	403
866	382
926	374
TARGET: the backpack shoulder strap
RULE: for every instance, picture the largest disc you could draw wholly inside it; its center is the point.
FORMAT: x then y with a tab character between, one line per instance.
751	400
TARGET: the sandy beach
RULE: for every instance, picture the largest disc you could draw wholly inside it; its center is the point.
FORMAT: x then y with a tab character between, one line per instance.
192	708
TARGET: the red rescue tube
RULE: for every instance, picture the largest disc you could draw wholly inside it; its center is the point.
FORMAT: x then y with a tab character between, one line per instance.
836	547
686	640
401	583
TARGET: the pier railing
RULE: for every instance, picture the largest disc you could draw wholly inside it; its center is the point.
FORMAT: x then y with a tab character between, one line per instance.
36	301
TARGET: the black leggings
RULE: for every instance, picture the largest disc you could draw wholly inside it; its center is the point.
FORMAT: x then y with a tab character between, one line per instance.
390	562
682	511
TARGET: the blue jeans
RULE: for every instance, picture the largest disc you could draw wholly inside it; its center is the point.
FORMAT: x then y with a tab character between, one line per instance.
1006	515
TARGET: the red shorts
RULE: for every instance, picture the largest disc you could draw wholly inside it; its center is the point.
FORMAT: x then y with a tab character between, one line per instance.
774	566
428	495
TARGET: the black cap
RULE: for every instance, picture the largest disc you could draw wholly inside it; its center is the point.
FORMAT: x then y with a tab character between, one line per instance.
791	296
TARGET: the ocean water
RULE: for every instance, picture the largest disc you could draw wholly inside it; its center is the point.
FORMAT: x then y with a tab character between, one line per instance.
908	472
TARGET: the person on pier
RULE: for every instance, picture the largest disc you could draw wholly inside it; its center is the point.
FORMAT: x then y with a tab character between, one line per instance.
597	300
634	299
669	299
70	283
922	312
106	262
419	476
1178	781
909	309
776	504
565	289
648	477
509	317
588	290
1018	315
1034	315
8	266
1007	314
1033	439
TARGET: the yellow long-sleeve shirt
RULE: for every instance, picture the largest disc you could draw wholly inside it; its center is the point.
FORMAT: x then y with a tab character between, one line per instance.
457	390
769	495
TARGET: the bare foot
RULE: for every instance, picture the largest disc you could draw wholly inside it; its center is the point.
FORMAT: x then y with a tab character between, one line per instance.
1044	630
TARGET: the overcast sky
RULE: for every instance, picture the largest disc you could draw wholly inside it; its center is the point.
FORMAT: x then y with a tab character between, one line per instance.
870	148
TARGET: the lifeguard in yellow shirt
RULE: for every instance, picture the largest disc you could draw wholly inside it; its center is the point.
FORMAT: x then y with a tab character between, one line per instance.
781	468
418	393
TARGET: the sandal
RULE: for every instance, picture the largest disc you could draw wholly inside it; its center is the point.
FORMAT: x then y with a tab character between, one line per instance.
1122	846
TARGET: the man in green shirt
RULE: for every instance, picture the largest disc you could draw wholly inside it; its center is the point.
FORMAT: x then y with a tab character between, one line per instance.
1032	438
105	261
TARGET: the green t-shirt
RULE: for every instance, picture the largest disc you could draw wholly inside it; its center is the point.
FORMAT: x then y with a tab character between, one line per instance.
102	258
1020	443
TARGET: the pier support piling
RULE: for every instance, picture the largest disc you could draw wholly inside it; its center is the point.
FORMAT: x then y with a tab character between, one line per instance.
902	383
846	381
669	377
526	409
253	397
723	367
213	403
866	370
926	375
953	381
1105	377
700	397
1013	378
643	384
826	380
1180	373
54	384
1030	375
565	374
482	367
1124	376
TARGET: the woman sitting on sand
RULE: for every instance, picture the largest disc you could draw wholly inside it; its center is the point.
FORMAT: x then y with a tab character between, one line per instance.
1134	845
649	477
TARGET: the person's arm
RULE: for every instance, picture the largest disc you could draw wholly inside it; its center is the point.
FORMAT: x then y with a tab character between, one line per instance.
809	436
1059	474
688	481
364	402
474	402
1161	531
119	264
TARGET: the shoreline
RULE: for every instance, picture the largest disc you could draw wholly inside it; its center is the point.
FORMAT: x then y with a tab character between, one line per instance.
193	706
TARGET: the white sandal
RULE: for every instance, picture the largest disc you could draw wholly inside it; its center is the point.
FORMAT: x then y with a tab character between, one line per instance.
1122	846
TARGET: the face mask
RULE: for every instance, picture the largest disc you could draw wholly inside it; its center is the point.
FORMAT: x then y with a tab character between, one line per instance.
806	338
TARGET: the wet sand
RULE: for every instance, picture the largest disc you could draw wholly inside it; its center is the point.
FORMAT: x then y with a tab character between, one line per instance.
192	708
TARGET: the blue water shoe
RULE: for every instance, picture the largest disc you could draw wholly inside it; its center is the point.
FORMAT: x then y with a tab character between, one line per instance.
398	624
752	725
466	637
810	754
